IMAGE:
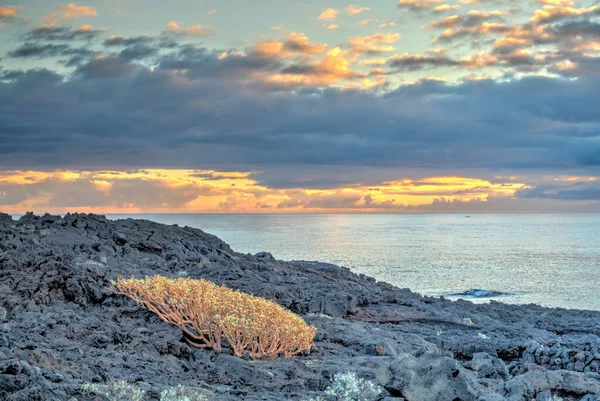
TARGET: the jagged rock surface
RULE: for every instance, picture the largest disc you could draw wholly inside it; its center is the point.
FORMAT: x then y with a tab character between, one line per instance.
60	326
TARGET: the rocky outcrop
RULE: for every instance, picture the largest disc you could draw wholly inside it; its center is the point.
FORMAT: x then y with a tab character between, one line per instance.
60	325
432	376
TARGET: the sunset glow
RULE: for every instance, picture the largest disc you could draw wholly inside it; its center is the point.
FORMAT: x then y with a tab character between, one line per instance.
202	191
300	106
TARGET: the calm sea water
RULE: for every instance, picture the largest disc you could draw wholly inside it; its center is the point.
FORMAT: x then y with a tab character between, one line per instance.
552	260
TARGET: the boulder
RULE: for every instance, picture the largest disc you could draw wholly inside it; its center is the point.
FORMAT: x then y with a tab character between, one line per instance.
432	377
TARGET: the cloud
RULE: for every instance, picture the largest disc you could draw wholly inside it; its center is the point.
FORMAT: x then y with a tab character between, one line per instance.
299	42
329	14
354	9
105	66
195	30
115	40
373	44
8	13
562	3
331	27
108	190
138	52
194	191
555	13
415	62
333	68
580	191
72	10
470	19
198	108
486	1
445	7
292	44
54	33
418	4
35	50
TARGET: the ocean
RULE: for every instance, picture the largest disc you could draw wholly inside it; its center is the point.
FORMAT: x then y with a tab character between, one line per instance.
547	259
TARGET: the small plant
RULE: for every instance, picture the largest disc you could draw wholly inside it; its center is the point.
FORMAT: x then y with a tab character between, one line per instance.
482	336
468	321
349	387
379	350
210	314
115	391
182	393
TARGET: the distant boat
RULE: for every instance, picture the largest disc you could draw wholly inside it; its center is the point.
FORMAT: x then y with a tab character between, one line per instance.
467	216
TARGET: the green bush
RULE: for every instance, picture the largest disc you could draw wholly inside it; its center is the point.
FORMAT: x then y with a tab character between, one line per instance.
115	391
349	387
124	391
182	393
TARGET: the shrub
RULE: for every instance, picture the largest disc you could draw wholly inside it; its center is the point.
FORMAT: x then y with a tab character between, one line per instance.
349	387
209	313
115	391
182	393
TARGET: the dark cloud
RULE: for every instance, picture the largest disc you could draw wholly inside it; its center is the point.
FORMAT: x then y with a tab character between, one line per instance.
584	28
418	5
138	52
580	191
470	19
54	33
415	62
201	63
50	50
121	41
106	67
202	109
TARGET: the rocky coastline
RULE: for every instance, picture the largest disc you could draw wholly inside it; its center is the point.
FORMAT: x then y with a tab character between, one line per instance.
61	327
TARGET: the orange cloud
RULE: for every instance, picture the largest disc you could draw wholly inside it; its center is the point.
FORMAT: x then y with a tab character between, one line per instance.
445	7
521	36
294	43
195	30
72	10
9	12
418	4
377	43
333	68
329	14
197	191
563	3
550	13
470	17
354	9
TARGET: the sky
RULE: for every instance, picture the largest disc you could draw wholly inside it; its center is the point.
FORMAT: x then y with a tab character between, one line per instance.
300	106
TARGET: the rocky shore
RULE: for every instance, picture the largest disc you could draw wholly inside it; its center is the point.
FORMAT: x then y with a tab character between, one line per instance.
61	327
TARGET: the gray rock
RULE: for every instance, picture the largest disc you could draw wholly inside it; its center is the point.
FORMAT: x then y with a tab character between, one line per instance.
65	321
120	238
53	377
526	386
5	218
545	395
488	367
432	377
